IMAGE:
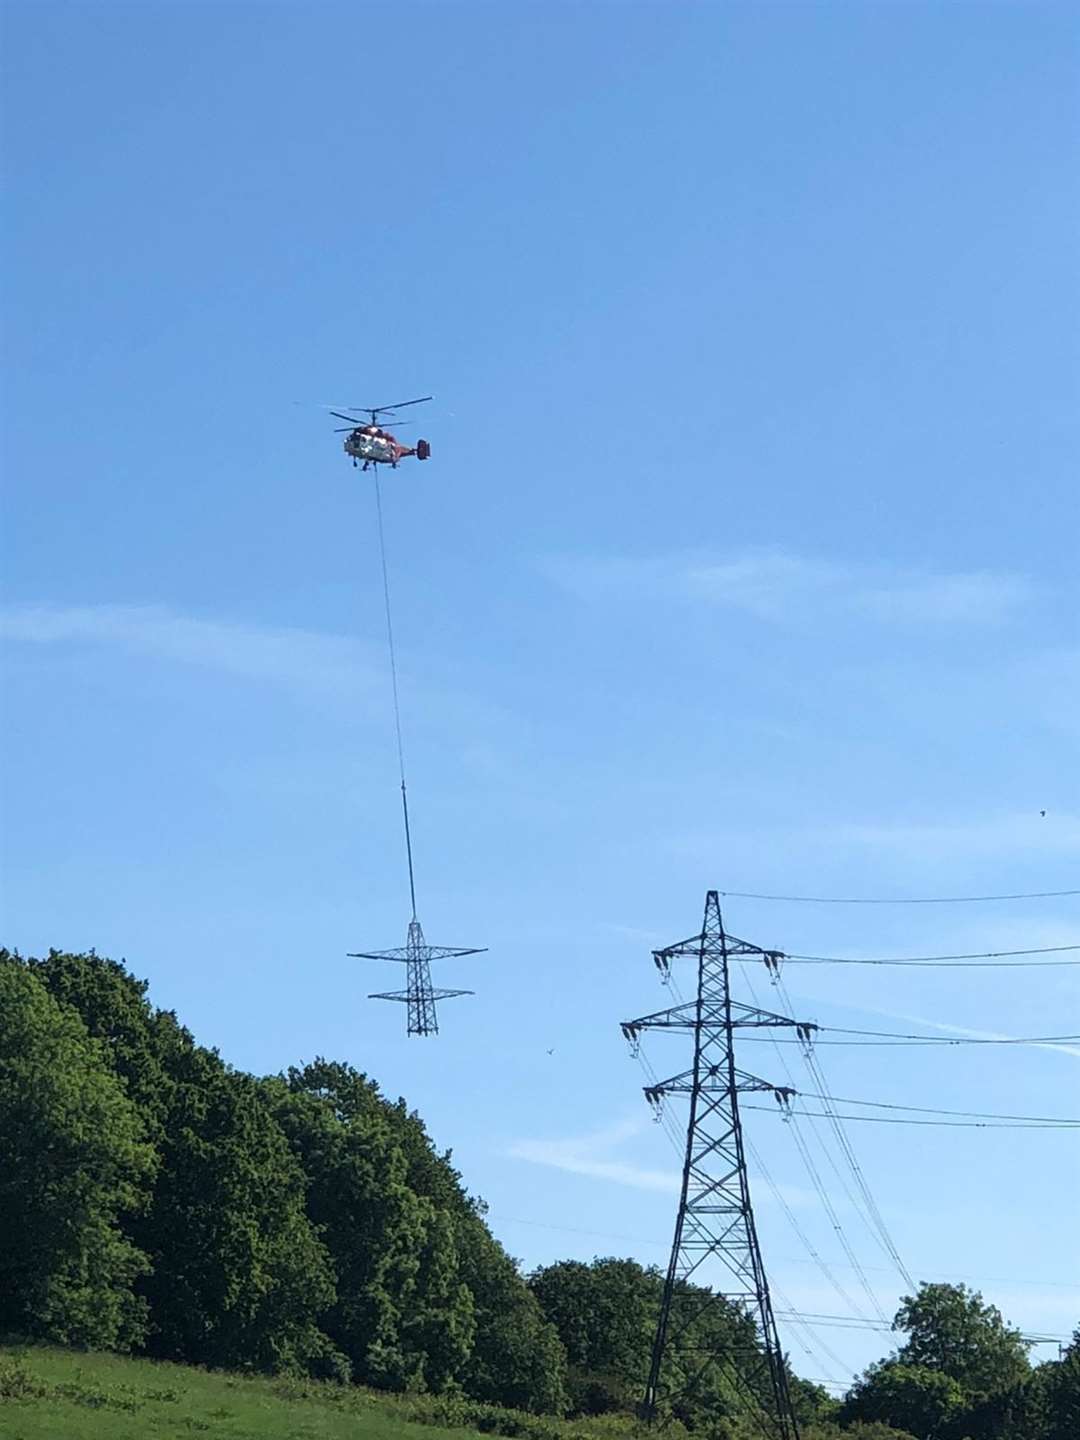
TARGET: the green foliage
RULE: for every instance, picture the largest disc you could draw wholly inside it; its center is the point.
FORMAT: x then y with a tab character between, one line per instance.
924	1401
402	1314
73	1163
857	1430
951	1329
517	1358
238	1275
1049	1407
605	1314
101	1397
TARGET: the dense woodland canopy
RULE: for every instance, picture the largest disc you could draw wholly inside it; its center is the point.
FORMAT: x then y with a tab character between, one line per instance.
154	1199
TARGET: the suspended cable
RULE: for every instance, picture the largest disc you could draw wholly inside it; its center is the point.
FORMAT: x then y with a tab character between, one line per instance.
800	1233
812	1345
943	961
899	900
815	1179
835	1120
946	1124
902	1040
855	1322
935	1110
947	1039
394	687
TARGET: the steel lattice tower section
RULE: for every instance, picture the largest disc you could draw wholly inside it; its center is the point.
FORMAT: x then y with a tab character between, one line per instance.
419	995
715	1219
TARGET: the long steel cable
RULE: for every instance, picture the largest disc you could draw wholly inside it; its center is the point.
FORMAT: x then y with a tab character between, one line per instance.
877	1219
815	1180
394	687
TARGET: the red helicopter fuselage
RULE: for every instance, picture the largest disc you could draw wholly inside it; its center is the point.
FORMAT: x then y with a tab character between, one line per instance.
376	446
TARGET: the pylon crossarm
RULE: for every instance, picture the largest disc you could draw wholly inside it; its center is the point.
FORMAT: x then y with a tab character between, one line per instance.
743	1016
409	995
403	953
691	948
677	1017
755	1083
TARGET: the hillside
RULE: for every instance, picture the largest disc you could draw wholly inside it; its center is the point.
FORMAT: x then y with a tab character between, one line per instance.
303	1228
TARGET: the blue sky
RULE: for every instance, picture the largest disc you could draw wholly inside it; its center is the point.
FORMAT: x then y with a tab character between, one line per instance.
746	558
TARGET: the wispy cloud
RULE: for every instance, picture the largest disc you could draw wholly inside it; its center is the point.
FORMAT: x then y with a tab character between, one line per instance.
778	585
584	1155
302	660
966	1030
591	1155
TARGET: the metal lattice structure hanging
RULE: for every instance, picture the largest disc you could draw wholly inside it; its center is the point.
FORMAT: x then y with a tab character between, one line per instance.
715	1254
419	995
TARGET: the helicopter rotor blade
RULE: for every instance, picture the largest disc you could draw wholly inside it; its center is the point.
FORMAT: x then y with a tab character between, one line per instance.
379	409
362	425
338	416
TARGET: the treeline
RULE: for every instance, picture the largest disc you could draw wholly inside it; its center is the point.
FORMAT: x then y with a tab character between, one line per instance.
154	1200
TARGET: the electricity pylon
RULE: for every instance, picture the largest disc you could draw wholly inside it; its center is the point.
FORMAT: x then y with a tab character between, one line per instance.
419	996
715	1220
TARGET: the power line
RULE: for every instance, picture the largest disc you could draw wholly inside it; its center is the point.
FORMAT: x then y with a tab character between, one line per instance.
815	1179
902	1040
935	1110
975	960
954	1124
804	1239
878	1225
900	900
856	1322
948	1039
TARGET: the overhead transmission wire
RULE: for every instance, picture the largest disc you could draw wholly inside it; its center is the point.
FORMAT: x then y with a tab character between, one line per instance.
935	1110
941	1124
897	1038
897	899
971	960
819	1187
394	687
836	1122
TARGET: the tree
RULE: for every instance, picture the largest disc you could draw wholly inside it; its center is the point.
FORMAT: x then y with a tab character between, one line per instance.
1050	1408
74	1163
605	1314
517	1357
238	1275
403	1314
952	1330
926	1402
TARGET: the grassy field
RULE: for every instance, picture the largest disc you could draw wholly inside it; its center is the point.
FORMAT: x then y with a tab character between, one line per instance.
50	1394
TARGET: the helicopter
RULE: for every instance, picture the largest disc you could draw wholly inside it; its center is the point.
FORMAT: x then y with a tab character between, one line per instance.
369	442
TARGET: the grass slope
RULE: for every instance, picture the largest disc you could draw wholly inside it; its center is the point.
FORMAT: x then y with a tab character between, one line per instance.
50	1394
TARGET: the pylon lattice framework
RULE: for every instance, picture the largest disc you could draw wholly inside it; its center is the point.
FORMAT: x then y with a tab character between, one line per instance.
419	994
715	1219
